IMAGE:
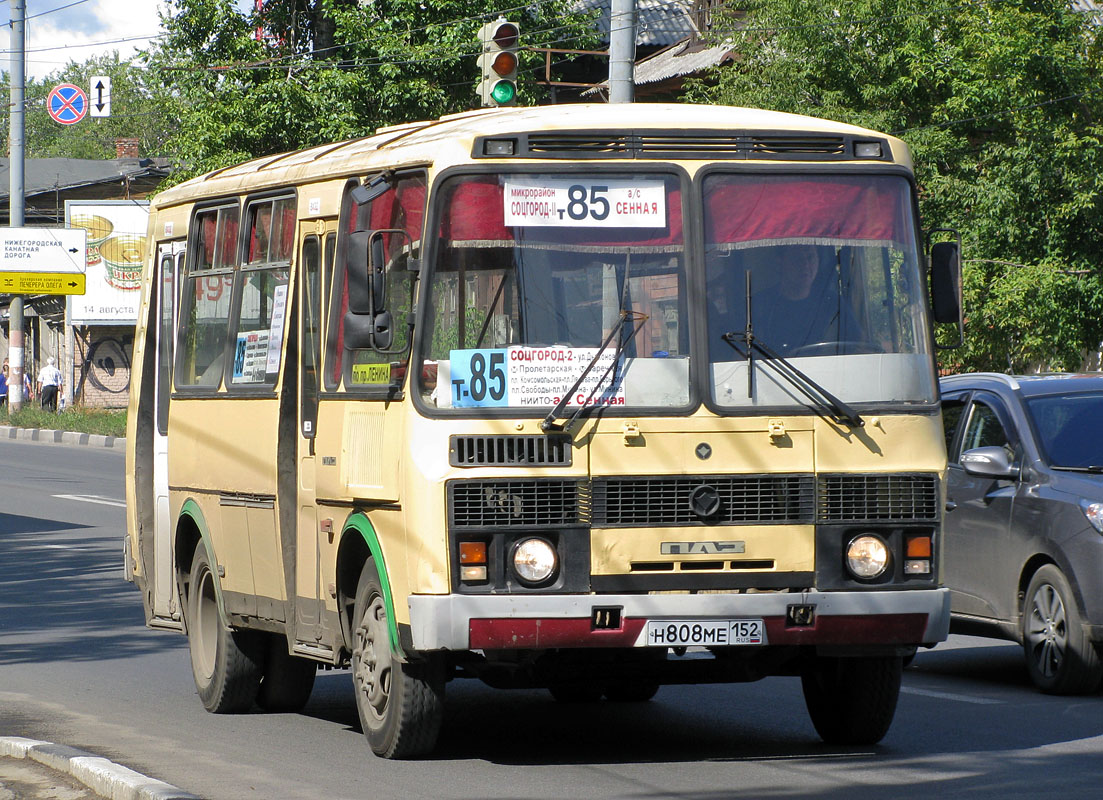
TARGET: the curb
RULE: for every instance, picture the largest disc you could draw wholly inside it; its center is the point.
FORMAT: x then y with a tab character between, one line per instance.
102	776
62	437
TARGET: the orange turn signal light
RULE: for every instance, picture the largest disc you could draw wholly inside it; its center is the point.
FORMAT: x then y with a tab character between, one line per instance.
472	552
919	547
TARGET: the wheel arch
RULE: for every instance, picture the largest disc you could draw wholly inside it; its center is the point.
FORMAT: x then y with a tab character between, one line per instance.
191	529
359	542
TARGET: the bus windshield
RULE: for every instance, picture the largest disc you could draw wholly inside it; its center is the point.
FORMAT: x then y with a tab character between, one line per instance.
835	289
535	272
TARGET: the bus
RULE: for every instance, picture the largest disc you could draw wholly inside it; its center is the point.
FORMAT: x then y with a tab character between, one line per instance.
588	398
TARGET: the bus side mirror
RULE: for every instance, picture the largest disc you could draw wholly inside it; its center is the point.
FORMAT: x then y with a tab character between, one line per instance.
946	304
368	331
373	259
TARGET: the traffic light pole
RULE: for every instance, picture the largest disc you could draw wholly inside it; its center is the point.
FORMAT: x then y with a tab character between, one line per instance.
622	51
16	73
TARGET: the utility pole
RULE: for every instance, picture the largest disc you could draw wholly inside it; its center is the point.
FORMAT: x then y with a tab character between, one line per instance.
622	51
16	74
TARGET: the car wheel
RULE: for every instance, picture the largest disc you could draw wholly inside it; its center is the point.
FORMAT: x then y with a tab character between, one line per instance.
226	664
400	704
1059	656
852	700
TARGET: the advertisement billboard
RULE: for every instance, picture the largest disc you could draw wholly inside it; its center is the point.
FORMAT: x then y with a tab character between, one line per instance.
116	252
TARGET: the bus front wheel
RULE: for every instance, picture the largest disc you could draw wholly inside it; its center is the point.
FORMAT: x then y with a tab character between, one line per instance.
401	705
226	664
852	700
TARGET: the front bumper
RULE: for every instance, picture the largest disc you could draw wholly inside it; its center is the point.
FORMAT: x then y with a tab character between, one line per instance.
505	622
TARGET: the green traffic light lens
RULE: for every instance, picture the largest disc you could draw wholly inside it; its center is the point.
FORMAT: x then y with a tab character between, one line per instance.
503	92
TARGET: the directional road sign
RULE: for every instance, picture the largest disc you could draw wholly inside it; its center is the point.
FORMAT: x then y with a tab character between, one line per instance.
67	104
58	250
99	96
41	283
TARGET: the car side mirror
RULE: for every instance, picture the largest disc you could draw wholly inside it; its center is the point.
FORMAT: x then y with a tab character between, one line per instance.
989	462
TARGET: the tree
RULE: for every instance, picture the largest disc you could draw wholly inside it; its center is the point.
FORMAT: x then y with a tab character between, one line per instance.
305	72
1000	103
135	113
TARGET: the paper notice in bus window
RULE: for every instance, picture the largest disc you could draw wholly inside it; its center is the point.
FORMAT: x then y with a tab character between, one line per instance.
533	376
275	330
588	203
371	373
250	357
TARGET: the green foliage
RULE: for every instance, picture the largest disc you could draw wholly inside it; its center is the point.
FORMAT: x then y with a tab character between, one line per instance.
324	70
1000	103
98	421
135	113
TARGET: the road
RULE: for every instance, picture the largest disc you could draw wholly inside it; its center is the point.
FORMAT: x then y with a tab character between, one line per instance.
78	667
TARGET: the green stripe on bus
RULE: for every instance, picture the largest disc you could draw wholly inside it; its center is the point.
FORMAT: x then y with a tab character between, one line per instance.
359	522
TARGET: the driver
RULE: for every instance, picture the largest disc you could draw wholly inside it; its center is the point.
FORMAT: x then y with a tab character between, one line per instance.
803	307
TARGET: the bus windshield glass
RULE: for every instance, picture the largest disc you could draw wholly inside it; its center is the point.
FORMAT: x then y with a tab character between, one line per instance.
534	273
835	288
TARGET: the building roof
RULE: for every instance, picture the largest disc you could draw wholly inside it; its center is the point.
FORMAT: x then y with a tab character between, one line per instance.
659	23
44	175
685	58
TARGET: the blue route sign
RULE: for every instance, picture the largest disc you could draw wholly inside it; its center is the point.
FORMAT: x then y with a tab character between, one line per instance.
67	104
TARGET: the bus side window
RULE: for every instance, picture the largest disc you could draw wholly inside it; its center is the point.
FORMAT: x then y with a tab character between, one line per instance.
402	209
205	298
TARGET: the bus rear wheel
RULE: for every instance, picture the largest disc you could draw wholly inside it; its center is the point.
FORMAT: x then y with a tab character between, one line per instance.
288	680
401	705
226	664
852	700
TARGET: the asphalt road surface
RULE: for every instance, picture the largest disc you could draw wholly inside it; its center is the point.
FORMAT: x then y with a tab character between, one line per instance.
78	667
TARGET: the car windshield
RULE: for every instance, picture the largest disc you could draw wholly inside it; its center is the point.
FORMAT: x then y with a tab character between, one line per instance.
831	269
534	273
1070	428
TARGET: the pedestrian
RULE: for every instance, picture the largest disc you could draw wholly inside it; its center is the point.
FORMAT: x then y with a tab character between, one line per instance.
4	386
49	385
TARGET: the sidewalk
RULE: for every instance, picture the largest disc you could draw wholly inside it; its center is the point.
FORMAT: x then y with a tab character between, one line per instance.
36	770
61	437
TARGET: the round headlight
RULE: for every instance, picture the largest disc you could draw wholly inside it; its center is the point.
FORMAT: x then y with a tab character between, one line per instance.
534	560
867	556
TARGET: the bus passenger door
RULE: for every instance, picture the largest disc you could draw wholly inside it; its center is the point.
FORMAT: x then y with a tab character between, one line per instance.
316	255
170	260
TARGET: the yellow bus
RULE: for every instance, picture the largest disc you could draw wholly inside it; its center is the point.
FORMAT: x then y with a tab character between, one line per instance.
584	398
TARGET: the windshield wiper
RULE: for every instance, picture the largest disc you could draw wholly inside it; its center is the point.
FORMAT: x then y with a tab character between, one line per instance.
1094	468
549	423
838	410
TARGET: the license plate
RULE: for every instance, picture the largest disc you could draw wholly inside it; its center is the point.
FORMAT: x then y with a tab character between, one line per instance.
704	633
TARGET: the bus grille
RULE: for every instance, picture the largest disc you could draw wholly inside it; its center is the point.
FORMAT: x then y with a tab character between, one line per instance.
517	504
878	498
743	500
478	451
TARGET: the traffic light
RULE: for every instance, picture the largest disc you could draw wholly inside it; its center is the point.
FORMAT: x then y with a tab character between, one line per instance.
498	63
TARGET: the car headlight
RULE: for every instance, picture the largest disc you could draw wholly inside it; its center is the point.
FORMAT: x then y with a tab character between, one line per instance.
1094	513
534	560
867	556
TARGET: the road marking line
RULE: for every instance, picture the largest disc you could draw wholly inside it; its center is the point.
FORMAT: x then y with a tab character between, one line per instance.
89	498
964	698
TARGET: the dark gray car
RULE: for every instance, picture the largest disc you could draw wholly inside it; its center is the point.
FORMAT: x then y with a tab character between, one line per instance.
1023	537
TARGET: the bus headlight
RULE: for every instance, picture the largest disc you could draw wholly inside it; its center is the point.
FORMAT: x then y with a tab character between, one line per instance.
534	560
867	556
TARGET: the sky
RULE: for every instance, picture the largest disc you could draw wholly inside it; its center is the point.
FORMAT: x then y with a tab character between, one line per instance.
60	31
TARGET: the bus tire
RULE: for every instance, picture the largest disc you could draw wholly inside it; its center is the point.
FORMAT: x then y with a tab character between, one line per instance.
288	680
226	664
401	705
852	700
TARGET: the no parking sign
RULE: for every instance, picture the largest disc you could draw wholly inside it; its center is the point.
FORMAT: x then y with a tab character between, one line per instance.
67	104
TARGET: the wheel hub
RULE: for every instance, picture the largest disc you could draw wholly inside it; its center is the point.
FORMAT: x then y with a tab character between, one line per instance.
372	659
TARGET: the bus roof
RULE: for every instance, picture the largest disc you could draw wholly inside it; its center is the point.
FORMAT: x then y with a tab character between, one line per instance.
450	139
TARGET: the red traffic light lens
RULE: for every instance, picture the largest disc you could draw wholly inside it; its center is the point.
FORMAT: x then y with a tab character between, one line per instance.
504	63
505	35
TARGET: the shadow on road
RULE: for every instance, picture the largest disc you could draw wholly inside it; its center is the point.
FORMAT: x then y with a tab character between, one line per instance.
64	598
